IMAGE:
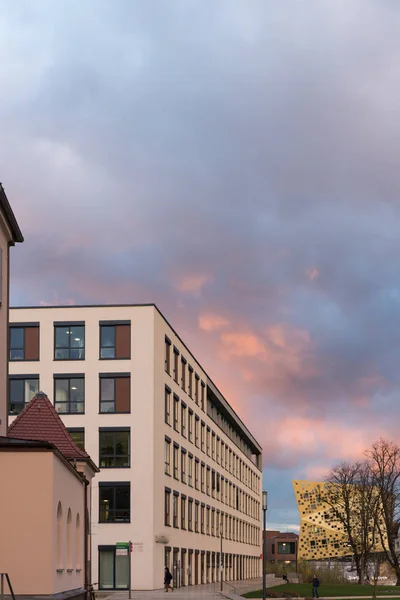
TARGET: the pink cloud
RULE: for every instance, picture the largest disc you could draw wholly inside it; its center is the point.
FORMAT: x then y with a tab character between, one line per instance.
312	273
192	284
212	322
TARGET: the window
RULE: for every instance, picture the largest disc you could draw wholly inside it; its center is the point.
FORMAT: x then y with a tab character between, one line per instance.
21	391
213	521
208	520
167	451
167	405
208	481
183	512
190	470
175	510
114	502
176	412
203	386
115	393
203	436
190	514
183	419
196	389
203	477
190	426
288	547
114	448
196	474
183	373
190	382
167	358
217	449
196	517
176	461
78	436
176	365
69	341
213	446
24	342
183	465
69	394
202	517
196	431
115	340
167	508
208	441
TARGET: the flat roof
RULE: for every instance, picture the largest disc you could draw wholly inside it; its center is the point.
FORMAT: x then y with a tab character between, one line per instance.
10	217
221	398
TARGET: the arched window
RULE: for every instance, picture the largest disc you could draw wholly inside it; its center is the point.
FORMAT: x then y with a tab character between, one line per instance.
78	541
69	539
59	537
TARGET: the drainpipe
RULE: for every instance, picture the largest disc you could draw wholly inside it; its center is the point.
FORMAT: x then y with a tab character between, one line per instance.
87	577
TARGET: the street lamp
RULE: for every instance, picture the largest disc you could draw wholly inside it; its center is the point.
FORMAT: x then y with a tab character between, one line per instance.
264	554
221	564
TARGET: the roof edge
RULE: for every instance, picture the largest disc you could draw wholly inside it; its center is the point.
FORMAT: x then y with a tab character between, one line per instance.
10	217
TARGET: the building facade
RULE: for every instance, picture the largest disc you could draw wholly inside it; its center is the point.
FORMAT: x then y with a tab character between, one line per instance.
180	473
282	547
9	234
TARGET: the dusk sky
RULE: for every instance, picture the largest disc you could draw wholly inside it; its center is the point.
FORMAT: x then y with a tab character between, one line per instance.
236	163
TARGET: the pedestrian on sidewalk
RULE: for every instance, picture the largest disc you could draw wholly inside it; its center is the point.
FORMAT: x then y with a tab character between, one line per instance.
315	586
167	580
285	577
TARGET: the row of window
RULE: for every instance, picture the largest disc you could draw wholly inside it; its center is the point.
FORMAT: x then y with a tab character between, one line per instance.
191	515
191	427
189	381
69	392
69	340
200	476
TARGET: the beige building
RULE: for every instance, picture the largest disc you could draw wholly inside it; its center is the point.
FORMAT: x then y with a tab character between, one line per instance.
178	466
9	234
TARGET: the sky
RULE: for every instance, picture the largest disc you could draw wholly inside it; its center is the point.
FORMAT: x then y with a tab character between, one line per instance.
236	163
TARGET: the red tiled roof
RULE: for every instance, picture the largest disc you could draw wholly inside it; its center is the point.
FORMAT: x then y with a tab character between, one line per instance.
39	421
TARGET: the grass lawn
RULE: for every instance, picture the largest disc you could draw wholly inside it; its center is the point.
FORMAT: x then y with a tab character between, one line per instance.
346	590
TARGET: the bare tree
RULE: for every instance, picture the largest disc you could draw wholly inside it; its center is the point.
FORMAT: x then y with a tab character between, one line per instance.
384	466
354	503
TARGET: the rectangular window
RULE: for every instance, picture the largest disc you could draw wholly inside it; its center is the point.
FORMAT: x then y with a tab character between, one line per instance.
175	510
69	394
167	358
217	449
213	522
21	391
196	517
167	447
115	394
69	341
176	365
115	340
183	466
190	514
196	389
183	512
196	431
114	448
196	474
203	387
213	483
208	520
167	508
78	436
183	373
167	406
190	426
114	502
176	461
202	518
203	477
190	470
176	412
183	419
208	481
286	548
203	436
190	382
208	441
213	446
24	342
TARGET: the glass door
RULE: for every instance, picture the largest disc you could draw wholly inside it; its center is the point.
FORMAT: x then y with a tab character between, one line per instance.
106	569
113	569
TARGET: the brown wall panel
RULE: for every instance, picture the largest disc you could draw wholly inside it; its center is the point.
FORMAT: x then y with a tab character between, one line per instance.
31	343
123	394
122	341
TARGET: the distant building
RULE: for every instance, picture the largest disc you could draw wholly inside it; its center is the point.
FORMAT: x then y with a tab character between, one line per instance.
10	233
178	466
281	547
45	506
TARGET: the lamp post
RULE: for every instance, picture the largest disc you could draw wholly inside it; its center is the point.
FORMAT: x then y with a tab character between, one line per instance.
264	553
221	564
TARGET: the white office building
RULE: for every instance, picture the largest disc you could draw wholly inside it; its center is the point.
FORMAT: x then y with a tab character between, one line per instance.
180	473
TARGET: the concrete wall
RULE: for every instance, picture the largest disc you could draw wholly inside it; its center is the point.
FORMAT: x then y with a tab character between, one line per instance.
36	482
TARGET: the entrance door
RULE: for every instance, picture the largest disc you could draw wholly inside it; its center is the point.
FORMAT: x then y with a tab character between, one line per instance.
202	568
190	568
113	569
196	569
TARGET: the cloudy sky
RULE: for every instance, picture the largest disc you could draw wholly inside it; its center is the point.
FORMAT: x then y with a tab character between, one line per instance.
237	163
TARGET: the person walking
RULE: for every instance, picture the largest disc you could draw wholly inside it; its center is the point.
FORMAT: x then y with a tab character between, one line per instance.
167	580
315	586
285	577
